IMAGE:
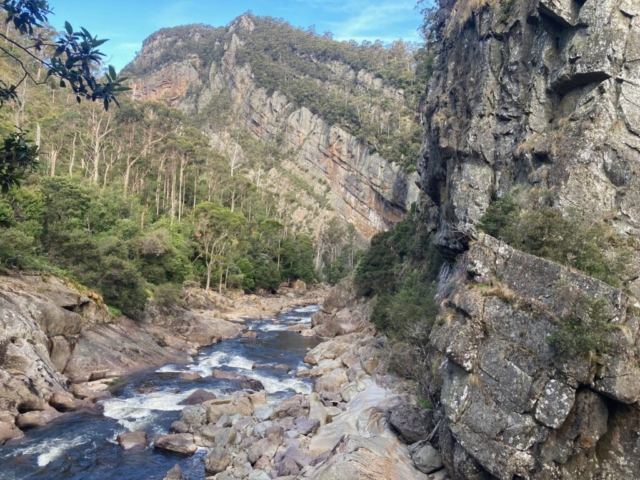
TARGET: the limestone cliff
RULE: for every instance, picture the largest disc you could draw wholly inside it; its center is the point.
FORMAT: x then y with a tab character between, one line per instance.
537	94
359	184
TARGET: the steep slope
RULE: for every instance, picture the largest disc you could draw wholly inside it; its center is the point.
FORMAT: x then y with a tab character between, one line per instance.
203	71
533	366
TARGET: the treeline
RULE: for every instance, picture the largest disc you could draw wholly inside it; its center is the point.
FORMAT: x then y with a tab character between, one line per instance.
132	202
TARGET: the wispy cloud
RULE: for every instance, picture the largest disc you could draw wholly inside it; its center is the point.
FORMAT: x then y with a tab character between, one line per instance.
365	20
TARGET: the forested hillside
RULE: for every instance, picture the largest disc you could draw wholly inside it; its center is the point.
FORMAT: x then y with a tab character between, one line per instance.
132	202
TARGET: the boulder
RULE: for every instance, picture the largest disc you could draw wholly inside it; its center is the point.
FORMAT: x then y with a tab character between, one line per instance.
426	458
222	375
174	474
179	443
190	376
132	440
250	334
198	397
36	419
287	467
296	406
412	422
217	460
8	431
307	426
194	415
63	402
252	384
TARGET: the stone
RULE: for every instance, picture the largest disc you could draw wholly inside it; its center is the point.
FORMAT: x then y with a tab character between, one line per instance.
198	397
307	426
252	384
36	418
412	422
217	460
195	415
179	427
132	440
62	402
296	406
174	474
250	335
555	404
8	431
287	467
426	458
222	375
190	376
180	443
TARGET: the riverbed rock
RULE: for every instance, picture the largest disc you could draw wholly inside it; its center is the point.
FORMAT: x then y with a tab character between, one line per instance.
9	431
198	397
217	460
36	418
190	376
250	334
195	415
223	375
180	443
174	474
295	406
132	440
63	402
252	384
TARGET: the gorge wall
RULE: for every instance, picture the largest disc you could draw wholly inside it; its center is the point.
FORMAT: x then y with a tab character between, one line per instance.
534	94
360	185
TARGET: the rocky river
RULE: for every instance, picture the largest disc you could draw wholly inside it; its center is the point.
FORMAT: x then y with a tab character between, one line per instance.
301	394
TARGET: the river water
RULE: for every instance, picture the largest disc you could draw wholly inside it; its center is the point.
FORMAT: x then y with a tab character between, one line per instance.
83	445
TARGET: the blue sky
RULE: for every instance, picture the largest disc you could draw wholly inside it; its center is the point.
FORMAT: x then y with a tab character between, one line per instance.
128	22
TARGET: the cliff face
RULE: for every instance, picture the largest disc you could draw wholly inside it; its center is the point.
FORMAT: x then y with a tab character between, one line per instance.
536	94
362	187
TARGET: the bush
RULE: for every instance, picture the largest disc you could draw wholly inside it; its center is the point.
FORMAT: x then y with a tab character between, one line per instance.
168	295
569	240
584	332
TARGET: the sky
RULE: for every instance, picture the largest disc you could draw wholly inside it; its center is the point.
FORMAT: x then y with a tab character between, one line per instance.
126	23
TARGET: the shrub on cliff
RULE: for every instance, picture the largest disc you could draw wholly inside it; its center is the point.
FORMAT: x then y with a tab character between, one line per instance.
569	240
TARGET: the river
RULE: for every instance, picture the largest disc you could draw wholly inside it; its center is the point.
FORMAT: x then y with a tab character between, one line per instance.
83	445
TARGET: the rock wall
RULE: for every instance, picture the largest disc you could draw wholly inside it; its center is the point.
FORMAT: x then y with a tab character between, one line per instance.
366	190
513	406
544	93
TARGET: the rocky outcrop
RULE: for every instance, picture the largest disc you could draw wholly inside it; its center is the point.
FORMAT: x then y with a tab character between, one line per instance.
365	189
541	93
513	406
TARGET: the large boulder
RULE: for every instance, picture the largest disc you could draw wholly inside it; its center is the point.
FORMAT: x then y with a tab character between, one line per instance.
217	460
132	440
179	443
412	422
198	397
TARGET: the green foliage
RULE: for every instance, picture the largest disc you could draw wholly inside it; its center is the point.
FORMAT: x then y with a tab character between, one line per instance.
18	156
583	332
167	295
569	240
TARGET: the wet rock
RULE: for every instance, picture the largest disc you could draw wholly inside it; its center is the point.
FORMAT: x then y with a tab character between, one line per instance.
198	397
8	431
174	474
252	384
426	458
190	376
179	427
132	440
62	402
222	375
36	419
179	443
412	422
217	460
250	335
